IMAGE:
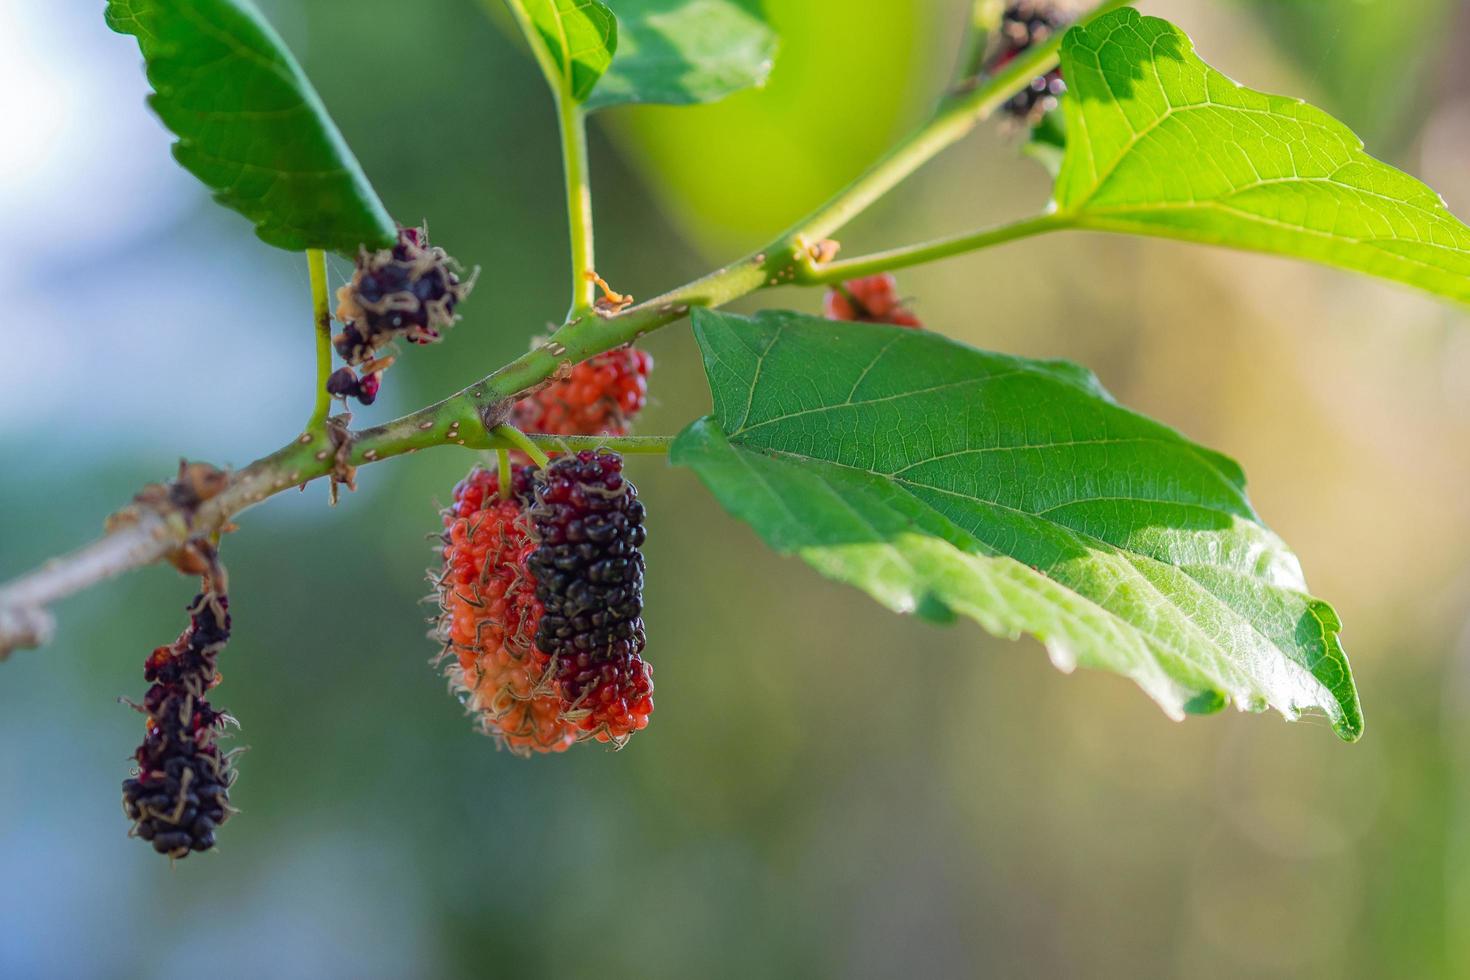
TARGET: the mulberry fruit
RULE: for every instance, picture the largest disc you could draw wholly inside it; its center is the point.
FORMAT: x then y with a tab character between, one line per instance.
410	290
179	795
1024	24
344	383
489	616
601	397
588	566
872	299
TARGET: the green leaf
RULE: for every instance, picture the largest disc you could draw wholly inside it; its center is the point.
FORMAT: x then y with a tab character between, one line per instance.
250	126
573	40
1160	143
1046	143
944	480
680	52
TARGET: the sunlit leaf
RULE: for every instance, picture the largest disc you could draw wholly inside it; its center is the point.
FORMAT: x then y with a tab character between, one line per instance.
250	126
679	52
945	480
1160	143
574	41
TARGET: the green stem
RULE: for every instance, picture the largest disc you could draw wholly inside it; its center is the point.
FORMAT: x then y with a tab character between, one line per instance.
958	113
579	203
984	20
469	417
626	445
939	248
517	439
502	463
781	263
316	265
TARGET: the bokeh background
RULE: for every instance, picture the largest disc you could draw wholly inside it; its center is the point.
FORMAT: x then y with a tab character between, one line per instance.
826	790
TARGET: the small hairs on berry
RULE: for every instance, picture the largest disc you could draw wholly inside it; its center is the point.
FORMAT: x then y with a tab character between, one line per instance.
489	615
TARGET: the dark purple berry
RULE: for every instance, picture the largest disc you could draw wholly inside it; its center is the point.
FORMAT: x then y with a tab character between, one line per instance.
179	793
588	525
1024	24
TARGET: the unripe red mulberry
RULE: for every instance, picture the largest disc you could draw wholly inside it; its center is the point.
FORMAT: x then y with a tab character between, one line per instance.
588	526
601	397
409	291
490	614
180	793
871	299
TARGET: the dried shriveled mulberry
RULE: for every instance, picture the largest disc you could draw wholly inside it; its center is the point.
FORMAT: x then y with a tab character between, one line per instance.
871	299
588	527
601	397
408	291
344	383
489	615
179	795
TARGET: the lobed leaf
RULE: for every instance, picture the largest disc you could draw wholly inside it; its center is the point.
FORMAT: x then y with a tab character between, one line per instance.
680	52
1159	143
944	480
250	126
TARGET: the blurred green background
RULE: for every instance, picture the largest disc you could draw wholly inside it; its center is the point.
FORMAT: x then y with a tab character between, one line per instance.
826	790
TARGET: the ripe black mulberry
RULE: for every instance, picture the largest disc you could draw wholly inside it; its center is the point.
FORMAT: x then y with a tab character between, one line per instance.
588	527
1024	24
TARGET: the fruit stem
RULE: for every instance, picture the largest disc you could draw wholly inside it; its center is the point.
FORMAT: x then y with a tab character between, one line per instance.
518	440
579	202
316	266
957	114
502	461
939	248
626	445
469	417
984	20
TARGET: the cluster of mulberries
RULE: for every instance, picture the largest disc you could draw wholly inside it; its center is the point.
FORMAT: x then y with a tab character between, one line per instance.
600	397
180	792
1026	23
871	299
541	603
489	614
409	291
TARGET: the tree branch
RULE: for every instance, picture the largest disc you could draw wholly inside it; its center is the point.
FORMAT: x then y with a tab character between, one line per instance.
467	418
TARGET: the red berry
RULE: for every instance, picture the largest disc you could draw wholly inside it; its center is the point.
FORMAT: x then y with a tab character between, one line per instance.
490	614
588	526
600	397
871	299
